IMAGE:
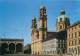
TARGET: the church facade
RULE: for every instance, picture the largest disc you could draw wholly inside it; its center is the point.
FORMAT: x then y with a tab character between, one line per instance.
45	42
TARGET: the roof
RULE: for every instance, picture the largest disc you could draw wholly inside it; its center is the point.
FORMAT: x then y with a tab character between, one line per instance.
11	39
62	35
58	35
50	35
76	23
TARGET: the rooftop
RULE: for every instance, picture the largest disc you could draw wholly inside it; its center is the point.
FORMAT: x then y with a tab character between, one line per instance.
76	23
11	39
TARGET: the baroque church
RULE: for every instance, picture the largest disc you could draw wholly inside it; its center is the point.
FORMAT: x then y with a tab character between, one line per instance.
45	42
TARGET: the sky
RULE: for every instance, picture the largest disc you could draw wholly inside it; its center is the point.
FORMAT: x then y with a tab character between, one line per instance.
16	16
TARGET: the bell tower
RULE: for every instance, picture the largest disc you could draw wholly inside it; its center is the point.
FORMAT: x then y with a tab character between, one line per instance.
43	23
62	21
34	29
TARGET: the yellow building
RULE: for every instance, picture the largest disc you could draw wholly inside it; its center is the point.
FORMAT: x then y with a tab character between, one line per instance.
73	39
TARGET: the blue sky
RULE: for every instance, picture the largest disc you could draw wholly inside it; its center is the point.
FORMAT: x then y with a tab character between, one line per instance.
16	15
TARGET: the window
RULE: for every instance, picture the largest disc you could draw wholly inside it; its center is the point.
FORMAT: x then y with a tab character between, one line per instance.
69	36
69	43
79	49
72	43
60	19
79	26
72	29
79	41
69	50
75	34
60	27
75	42
72	35
79	34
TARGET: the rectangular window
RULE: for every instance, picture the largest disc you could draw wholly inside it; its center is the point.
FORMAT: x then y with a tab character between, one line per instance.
69	50
79	41
72	35
79	34
79	49
75	34
72	29
69	36
75	42
69	43
79	26
75	27
72	43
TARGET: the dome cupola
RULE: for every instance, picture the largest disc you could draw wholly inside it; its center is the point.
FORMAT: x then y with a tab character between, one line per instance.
62	21
42	7
63	17
62	12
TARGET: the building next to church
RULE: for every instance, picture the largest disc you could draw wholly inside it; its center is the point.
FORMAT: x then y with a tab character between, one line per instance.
45	42
73	39
11	46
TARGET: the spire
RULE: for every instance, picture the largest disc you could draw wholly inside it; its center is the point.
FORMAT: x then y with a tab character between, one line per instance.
34	18
42	11
43	17
34	24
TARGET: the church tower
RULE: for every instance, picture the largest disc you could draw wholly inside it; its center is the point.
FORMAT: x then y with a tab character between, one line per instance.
43	23
34	29
62	21
34	36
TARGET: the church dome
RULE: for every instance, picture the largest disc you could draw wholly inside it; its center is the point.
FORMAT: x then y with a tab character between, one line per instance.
34	18
62	17
42	7
62	12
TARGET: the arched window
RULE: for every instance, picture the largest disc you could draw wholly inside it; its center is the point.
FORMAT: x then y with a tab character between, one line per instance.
11	48
61	19
61	27
4	48
19	47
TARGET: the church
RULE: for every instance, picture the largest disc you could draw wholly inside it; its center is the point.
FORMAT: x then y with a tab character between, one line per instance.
48	43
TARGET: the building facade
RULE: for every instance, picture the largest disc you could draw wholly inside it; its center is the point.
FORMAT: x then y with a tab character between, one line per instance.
73	39
45	42
11	46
